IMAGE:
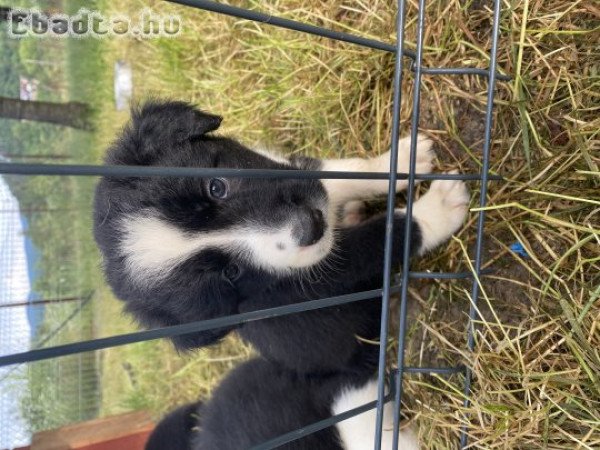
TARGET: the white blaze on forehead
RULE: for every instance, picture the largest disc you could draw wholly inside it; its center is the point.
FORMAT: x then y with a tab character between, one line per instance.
153	247
358	432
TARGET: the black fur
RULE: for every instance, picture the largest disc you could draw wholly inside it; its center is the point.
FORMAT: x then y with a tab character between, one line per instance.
175	431
306	357
256	402
323	341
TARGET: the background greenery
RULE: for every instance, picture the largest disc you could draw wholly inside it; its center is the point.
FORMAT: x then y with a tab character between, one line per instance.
59	213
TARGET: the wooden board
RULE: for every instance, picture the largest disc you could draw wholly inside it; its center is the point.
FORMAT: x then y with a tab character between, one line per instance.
128	431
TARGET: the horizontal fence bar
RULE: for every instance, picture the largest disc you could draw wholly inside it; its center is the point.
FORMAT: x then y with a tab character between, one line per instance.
461	71
289	24
203	325
314	30
318	426
436	370
446	275
98	344
199	172
47	301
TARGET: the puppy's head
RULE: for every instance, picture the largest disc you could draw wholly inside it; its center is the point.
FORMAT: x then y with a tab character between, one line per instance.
176	248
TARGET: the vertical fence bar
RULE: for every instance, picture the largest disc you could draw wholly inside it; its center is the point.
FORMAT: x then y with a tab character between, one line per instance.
389	224
482	203
406	255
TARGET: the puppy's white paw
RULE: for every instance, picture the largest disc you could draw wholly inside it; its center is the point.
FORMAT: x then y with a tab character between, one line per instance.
441	211
424	161
353	213
357	433
425	154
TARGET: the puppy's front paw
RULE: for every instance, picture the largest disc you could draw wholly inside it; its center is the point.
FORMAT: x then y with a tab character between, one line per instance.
425	154
424	161
441	211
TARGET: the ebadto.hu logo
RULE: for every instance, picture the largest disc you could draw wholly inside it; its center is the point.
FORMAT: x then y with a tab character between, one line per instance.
88	23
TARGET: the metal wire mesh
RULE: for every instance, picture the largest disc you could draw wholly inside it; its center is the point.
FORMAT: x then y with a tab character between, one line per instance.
33	315
387	286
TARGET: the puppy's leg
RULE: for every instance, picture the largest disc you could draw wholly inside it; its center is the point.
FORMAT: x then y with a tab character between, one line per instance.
176	431
358	432
440	212
341	191
436	216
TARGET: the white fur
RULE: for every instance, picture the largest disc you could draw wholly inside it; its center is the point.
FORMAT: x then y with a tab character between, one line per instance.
153	247
341	191
358	432
353	213
273	156
440	212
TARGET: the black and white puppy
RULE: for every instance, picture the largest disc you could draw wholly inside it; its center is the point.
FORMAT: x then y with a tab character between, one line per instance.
178	250
260	400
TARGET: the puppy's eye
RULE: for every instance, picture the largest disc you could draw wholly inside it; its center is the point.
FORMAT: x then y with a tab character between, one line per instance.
218	188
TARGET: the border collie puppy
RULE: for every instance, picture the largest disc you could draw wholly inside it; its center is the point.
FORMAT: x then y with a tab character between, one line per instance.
178	250
260	400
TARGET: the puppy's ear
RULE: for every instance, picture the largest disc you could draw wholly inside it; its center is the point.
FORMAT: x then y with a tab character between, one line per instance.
159	127
173	121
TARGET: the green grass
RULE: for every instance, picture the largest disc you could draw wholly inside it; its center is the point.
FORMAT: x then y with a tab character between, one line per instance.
152	375
59	211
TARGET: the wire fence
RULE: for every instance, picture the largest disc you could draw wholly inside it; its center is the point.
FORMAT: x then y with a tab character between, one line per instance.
41	304
388	286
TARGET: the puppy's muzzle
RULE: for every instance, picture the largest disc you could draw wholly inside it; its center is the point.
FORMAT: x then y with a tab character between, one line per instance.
309	227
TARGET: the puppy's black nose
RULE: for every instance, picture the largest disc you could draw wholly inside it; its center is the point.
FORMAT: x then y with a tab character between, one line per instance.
310	227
